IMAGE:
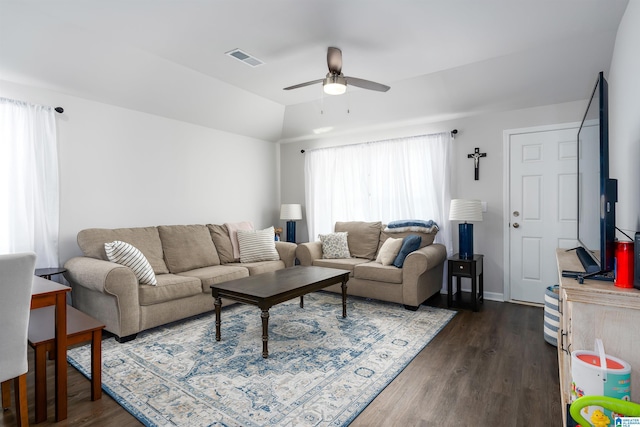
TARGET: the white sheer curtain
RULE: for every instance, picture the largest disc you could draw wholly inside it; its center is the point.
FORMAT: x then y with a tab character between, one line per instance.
29	196
406	178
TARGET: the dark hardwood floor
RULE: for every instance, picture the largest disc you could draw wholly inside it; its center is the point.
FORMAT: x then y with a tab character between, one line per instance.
490	368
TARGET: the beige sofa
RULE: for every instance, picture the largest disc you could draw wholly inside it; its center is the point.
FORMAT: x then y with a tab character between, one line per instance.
419	278
186	260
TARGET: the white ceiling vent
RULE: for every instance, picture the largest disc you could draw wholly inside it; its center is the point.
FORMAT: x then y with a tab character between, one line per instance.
245	57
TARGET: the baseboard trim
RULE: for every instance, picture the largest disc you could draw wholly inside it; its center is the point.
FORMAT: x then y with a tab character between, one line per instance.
489	296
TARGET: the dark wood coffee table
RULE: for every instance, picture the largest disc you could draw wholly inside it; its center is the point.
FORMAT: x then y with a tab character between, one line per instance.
268	289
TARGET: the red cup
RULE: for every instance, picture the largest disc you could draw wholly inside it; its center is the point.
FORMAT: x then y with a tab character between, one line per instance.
624	265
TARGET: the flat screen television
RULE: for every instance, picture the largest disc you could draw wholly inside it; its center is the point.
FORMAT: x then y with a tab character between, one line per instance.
597	193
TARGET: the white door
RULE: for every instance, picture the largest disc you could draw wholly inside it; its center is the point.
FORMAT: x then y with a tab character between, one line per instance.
542	206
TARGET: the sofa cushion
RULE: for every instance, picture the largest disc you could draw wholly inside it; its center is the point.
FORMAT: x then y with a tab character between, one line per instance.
187	247
146	239
363	238
389	251
378	272
409	244
344	264
262	266
222	242
170	287
257	245
125	254
335	245
427	236
216	274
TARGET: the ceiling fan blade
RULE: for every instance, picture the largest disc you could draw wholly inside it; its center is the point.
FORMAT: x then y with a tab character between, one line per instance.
334	60
367	84
312	82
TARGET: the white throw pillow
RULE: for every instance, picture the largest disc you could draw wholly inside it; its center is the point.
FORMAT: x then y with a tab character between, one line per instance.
128	255
335	245
257	245
389	251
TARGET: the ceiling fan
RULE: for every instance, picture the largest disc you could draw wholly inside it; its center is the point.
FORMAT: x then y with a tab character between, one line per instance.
335	83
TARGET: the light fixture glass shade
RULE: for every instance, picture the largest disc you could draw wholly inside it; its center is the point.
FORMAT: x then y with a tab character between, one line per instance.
465	210
291	212
334	85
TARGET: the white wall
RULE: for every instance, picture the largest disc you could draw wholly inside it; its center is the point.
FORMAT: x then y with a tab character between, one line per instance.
483	131
624	120
123	168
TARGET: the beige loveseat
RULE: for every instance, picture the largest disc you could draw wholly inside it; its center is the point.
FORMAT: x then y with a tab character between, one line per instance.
186	260
419	278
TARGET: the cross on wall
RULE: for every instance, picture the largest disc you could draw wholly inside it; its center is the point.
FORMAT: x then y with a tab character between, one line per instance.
476	161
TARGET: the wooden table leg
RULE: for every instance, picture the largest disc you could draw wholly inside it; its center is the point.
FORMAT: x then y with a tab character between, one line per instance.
96	364
218	305
22	410
41	381
265	332
344	298
6	394
301	301
61	356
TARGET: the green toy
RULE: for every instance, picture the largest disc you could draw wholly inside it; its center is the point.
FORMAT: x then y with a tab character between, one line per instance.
629	409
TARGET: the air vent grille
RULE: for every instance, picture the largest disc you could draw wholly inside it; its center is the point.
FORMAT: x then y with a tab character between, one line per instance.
245	57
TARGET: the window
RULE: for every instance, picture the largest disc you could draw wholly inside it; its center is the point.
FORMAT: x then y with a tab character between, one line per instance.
406	178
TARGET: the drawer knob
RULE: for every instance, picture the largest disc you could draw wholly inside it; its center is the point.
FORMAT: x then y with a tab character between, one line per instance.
461	267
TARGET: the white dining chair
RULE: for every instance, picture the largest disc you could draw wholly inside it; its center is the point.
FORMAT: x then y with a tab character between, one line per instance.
16	281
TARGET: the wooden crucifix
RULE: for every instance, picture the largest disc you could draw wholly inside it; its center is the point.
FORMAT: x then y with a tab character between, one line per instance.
476	160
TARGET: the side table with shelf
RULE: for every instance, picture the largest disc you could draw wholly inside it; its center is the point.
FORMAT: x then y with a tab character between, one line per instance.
46	273
471	268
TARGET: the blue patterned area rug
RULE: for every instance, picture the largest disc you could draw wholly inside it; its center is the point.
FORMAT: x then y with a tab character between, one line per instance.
322	370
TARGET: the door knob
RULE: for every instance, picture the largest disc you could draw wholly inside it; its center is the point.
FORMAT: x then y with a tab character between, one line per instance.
516	225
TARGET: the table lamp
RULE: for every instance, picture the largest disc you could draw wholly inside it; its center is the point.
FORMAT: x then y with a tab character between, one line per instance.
465	210
292	213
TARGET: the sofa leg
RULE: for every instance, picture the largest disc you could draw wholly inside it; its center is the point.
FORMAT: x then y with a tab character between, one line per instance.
411	307
128	338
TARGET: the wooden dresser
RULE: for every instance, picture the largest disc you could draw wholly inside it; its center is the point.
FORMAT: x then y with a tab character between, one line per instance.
593	310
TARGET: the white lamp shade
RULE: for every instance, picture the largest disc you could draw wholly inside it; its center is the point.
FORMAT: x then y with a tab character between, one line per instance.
291	212
465	210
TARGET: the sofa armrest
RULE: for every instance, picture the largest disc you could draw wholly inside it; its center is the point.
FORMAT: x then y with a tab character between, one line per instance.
423	259
422	274
307	252
106	291
100	276
287	252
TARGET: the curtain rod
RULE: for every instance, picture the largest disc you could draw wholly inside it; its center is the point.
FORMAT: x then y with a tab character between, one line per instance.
453	135
59	110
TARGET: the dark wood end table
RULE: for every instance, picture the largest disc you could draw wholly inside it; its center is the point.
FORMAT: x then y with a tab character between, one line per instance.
268	289
471	268
46	273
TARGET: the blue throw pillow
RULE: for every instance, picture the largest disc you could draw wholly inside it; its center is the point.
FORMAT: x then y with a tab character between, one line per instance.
409	244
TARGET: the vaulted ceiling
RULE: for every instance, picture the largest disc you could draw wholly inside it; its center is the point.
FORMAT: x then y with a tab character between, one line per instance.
167	57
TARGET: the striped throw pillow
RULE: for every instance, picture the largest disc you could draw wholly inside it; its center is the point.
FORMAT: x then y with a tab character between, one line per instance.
125	254
257	245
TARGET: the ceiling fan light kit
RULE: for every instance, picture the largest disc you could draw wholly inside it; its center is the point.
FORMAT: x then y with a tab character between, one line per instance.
334	84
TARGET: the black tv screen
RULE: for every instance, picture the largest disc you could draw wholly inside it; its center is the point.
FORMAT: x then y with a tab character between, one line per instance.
597	193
